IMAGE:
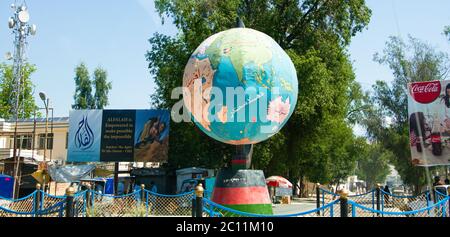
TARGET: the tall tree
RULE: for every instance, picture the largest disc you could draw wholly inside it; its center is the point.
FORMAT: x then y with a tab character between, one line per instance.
373	164
410	62
83	98
315	34
26	99
83	91
102	87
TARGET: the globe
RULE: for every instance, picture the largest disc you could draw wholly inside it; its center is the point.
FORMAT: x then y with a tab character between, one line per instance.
240	87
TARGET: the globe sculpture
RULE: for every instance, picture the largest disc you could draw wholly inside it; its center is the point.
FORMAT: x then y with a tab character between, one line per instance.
240	88
247	84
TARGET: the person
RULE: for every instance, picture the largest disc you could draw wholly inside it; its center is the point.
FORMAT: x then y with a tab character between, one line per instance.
120	188
437	181
446	98
447	181
153	187
386	194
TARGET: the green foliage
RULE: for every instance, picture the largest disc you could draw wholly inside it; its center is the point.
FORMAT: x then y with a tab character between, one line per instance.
373	164
412	62
317	142
26	99
447	32
83	90
83	98
102	87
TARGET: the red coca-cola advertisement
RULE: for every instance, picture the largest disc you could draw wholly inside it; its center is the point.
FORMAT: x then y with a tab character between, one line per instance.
429	122
425	92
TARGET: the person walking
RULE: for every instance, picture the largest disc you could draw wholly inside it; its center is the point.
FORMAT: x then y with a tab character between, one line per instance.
387	192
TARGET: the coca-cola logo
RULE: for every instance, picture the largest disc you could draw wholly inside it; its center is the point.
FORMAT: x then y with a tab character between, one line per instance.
425	92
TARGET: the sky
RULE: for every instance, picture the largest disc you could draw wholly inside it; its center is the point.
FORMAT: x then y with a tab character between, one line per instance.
114	34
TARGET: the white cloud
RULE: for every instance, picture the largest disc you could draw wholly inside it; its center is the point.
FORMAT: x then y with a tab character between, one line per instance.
149	7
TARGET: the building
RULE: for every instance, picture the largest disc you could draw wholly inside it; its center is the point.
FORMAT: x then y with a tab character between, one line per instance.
31	144
31	139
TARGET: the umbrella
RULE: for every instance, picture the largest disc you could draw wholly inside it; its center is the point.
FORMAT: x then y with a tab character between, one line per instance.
278	181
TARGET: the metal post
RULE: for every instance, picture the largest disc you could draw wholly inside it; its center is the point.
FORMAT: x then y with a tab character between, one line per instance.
88	197
143	193
33	145
116	177
70	192
37	200
448	201
344	203
16	163
199	200
378	193
194	214
46	131
318	198
53	136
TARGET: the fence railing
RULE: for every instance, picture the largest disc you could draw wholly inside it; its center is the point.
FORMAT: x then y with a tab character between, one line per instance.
211	209
439	209
144	203
88	203
378	199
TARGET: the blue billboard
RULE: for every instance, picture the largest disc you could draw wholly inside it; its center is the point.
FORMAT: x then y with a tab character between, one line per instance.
118	135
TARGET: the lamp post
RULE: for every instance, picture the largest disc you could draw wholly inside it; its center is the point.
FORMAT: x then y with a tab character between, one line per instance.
21	29
46	101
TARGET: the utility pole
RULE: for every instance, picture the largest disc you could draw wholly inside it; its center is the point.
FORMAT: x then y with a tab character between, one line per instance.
21	30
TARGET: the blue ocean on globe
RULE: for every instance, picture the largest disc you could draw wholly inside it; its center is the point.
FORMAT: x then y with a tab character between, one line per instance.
240	86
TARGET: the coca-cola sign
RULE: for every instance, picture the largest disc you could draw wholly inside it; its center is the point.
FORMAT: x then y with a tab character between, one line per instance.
425	92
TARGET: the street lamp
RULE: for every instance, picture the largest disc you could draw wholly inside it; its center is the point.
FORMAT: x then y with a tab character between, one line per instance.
46	104
46	101
21	29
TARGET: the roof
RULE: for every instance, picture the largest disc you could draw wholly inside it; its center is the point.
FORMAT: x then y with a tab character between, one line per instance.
40	120
25	160
190	170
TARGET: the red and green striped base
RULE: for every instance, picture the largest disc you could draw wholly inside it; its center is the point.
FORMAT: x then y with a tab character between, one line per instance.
242	190
265	209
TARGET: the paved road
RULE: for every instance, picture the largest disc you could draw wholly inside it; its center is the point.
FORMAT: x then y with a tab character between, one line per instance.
296	206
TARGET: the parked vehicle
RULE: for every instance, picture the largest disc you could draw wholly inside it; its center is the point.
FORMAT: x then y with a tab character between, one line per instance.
190	184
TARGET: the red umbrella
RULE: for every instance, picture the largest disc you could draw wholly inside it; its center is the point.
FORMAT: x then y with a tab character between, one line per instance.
278	181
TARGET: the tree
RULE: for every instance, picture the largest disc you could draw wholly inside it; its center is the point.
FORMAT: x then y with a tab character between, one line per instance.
83	98
102	87
373	165
447	32
26	99
412	62
314	33
83	90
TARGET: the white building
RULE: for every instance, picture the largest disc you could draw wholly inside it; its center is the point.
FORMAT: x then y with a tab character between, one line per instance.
31	139
31	142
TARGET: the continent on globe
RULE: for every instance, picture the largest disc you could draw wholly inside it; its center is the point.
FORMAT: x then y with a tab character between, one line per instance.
199	79
240	86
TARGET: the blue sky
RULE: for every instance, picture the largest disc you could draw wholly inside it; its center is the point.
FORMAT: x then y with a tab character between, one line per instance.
113	34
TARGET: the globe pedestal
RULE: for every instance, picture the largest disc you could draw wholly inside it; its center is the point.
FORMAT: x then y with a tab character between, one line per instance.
243	190
240	188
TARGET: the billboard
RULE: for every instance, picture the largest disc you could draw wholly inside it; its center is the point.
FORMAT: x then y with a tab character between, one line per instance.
118	135
429	122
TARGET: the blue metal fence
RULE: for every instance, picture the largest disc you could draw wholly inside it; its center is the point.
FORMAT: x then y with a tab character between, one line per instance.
146	203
